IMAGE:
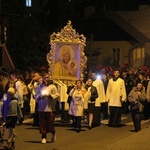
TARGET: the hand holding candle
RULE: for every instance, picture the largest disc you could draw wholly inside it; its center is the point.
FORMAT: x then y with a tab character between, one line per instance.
44	92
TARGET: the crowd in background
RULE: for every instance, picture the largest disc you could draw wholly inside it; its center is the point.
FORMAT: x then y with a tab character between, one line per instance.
106	94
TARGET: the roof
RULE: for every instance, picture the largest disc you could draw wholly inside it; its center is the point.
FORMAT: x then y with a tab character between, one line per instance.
108	26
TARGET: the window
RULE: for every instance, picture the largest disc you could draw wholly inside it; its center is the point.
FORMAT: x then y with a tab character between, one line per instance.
138	53
28	3
116	54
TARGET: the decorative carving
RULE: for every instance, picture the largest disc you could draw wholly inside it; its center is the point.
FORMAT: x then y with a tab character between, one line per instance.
68	34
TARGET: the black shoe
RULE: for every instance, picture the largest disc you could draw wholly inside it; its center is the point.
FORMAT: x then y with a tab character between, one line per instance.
119	125
67	121
35	125
78	130
62	121
132	130
105	118
111	125
90	127
137	130
73	124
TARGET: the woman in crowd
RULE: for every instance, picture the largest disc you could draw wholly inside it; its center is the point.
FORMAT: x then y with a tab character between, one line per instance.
13	114
77	103
6	101
136	99
91	96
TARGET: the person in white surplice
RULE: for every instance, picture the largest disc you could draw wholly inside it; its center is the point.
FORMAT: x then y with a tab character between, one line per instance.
115	95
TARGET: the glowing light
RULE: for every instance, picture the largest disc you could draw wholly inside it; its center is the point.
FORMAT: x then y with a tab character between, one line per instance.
44	91
99	77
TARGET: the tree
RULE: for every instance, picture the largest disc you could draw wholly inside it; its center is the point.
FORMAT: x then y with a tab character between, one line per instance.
27	35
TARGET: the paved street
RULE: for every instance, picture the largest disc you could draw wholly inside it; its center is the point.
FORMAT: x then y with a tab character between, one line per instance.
99	138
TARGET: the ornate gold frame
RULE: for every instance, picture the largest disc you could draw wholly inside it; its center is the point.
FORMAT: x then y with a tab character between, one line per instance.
69	39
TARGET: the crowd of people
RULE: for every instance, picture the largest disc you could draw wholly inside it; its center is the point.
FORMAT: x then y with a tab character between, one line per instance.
35	93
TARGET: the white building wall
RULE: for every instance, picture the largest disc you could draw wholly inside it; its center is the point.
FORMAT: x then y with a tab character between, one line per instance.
106	47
